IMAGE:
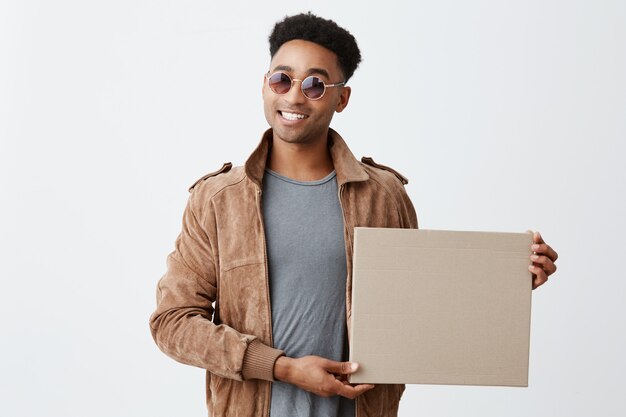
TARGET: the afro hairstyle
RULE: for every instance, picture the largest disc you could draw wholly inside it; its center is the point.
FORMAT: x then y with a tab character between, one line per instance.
326	33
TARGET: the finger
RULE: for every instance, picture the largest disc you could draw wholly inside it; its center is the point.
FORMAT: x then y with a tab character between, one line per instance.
341	368
342	378
537	238
545	249
539	277
353	391
545	263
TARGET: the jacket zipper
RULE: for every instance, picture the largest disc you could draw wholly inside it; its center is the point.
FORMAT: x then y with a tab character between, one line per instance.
348	245
345	222
267	292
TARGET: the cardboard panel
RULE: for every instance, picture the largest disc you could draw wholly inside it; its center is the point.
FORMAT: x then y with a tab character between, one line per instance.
441	307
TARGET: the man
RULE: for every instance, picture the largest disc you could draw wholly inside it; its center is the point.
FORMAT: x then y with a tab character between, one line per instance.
271	244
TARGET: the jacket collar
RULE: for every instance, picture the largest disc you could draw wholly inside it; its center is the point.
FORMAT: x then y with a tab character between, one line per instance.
347	167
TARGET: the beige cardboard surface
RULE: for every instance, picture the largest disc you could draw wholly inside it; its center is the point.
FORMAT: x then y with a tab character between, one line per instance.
441	307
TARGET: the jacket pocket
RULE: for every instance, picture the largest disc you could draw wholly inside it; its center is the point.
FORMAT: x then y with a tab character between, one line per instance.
243	298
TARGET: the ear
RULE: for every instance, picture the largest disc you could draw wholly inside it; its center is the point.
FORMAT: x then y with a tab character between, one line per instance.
263	82
344	97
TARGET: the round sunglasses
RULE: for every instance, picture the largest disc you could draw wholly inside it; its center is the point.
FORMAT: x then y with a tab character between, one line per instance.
312	87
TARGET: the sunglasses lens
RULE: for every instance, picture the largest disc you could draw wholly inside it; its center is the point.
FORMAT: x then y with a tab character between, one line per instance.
279	82
313	87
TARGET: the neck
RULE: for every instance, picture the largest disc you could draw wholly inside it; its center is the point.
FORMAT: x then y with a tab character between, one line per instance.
301	161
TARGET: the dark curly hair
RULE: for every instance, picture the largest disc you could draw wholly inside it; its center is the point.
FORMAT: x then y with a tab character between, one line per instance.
326	33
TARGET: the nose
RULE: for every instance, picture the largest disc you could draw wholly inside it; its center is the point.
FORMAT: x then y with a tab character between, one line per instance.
295	94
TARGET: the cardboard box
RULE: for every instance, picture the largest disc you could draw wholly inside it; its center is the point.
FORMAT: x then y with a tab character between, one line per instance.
441	307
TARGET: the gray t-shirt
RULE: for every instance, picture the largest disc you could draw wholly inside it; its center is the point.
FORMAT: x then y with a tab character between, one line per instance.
307	275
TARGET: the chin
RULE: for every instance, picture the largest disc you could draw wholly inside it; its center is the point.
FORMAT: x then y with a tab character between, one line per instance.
293	138
290	136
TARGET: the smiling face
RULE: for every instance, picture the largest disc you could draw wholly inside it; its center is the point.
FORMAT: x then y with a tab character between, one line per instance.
293	117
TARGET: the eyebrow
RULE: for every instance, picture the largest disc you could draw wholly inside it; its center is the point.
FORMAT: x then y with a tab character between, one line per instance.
310	71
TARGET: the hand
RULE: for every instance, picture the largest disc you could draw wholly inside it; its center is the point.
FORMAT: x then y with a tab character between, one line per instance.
543	259
320	376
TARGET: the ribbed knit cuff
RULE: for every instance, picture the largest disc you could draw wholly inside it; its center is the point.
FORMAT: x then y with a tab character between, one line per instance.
259	360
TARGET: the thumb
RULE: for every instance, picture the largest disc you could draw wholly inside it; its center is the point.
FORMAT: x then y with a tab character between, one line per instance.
342	368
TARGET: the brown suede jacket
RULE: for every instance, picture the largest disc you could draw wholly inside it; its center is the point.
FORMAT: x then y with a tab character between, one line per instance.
220	257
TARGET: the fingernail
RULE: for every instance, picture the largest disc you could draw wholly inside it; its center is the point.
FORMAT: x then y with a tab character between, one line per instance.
534	257
535	247
530	267
354	366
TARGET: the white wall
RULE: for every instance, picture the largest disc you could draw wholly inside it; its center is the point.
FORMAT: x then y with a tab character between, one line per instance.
505	115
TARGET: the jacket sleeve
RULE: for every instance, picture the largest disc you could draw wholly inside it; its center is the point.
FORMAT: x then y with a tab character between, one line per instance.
182	324
406	211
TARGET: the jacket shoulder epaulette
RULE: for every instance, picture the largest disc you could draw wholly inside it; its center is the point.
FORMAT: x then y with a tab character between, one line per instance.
369	161
225	168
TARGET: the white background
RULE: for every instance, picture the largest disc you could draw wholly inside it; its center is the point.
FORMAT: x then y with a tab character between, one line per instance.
505	115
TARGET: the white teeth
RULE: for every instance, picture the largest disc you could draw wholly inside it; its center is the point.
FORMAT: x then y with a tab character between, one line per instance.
292	116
